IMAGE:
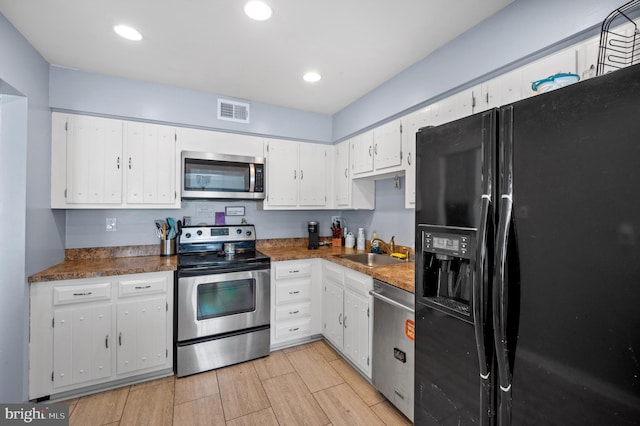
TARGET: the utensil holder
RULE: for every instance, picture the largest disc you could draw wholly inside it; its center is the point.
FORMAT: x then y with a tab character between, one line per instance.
168	247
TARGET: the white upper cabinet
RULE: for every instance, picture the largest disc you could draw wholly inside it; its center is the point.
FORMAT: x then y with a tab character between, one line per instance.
361	156
452	108
297	175
502	90
411	124
378	151
95	160
588	57
342	179
387	145
151	159
220	142
313	174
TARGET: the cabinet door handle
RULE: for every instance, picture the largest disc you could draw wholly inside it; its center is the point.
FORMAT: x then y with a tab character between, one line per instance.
409	158
345	321
340	319
120	339
301	174
129	163
118	163
140	287
375	149
369	150
106	342
295	174
345	172
87	293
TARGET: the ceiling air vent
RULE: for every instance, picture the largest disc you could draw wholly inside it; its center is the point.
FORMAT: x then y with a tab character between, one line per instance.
233	111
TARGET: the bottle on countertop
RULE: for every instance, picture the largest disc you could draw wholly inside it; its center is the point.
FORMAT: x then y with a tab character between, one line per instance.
375	246
360	239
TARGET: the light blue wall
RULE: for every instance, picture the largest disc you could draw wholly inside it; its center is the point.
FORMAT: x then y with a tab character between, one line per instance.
86	228
100	94
522	31
35	233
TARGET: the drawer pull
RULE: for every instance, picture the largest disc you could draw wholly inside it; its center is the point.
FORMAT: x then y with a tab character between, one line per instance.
106	342
294	271
294	312
294	292
88	293
120	339
294	329
139	287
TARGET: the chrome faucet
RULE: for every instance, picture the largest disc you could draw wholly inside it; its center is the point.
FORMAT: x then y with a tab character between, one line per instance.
388	248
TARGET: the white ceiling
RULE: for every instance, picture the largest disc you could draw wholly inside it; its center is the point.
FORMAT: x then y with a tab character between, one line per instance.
211	46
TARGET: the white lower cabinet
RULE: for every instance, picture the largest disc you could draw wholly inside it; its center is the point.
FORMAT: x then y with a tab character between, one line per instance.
295	295
81	344
89	332
142	312
348	313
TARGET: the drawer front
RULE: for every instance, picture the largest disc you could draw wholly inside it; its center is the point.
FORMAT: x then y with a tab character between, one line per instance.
64	295
293	311
358	282
294	291
293	329
294	270
334	273
140	287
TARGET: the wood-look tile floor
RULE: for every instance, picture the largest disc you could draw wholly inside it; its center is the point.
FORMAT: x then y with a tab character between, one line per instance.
308	384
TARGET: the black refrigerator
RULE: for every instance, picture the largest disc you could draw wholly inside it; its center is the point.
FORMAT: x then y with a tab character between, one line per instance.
528	261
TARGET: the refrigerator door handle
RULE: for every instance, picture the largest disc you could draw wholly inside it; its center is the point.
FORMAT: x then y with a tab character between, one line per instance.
500	297
480	283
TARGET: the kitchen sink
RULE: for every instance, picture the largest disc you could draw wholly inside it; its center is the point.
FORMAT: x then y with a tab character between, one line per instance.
371	260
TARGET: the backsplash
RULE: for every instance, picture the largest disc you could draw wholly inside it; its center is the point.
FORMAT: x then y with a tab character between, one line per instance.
87	228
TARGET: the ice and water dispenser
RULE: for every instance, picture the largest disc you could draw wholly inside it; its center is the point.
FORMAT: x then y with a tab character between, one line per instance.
446	264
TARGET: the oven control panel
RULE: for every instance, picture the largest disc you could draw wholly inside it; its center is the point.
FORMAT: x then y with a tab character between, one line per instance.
213	234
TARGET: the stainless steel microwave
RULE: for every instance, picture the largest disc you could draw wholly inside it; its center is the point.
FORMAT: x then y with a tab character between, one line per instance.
208	175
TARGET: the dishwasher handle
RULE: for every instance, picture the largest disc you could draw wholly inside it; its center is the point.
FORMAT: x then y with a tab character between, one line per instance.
391	301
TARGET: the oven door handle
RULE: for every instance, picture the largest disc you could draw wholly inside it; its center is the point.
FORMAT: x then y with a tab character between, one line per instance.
196	272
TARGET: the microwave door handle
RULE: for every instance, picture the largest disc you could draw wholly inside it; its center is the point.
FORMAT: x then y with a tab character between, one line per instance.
252	177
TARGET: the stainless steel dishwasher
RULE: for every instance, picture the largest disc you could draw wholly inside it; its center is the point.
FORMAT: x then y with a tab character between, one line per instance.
393	345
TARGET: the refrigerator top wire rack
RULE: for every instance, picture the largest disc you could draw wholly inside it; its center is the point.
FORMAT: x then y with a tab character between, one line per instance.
619	39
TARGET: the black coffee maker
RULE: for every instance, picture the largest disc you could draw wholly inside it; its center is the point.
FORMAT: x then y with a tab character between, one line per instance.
314	236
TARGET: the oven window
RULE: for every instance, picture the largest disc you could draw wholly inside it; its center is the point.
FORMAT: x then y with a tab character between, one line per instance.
226	298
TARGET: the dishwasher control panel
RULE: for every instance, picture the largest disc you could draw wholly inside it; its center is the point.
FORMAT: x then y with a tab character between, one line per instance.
400	355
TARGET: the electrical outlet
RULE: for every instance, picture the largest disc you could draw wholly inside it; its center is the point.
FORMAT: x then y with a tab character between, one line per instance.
111	224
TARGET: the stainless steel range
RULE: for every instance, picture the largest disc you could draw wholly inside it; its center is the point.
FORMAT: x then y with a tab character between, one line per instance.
223	298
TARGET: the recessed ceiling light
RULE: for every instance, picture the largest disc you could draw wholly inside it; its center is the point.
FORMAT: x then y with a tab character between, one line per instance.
127	32
312	77
258	10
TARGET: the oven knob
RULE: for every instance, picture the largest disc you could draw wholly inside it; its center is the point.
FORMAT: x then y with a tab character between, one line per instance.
187	235
248	233
238	231
199	232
